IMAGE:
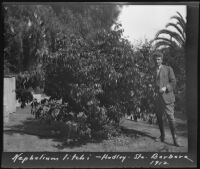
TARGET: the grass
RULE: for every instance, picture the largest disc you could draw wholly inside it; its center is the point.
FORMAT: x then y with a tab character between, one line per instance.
24	133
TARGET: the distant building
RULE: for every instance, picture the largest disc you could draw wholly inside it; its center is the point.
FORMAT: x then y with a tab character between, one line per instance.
9	96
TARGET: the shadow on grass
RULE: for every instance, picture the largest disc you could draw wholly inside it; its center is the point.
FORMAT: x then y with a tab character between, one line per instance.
43	130
131	128
135	133
32	127
58	133
182	129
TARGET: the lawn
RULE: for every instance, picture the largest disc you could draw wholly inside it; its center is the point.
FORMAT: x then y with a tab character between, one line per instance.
24	133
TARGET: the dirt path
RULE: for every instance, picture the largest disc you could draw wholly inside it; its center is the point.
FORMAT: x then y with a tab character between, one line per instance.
24	133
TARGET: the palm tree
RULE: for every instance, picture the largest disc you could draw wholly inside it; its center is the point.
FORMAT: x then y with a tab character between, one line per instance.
176	38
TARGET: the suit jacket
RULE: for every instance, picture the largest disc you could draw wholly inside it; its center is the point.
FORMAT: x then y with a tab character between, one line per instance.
166	78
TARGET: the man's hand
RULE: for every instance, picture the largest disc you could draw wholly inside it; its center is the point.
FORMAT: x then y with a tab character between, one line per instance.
162	90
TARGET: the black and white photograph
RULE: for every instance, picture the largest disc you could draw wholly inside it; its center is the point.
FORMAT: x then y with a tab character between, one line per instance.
94	77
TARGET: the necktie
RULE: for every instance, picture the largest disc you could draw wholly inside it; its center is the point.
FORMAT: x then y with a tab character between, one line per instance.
158	70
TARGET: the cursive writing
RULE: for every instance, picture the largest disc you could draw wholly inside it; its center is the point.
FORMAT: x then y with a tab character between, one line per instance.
23	158
112	157
156	156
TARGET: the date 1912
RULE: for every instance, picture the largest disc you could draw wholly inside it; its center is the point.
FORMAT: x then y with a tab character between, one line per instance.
156	163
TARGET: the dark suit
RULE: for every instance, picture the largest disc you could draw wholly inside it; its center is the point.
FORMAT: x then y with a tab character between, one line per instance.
165	100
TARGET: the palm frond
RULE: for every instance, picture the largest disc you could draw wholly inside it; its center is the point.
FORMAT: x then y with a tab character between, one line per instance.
177	28
183	29
180	20
177	37
163	39
166	41
174	35
164	44
180	15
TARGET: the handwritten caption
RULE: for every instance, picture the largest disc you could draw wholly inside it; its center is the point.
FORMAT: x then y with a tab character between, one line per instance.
154	159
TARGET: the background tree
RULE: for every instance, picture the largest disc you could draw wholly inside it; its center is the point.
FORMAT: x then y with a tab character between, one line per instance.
31	33
174	39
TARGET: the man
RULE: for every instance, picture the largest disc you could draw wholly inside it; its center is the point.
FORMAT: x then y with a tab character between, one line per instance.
165	82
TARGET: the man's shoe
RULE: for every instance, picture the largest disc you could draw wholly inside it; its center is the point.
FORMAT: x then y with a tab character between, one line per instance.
176	143
173	131
161	138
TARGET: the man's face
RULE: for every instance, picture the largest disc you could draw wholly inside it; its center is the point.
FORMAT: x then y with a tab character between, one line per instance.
158	61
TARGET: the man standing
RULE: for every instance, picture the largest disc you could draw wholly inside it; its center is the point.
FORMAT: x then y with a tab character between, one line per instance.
165	82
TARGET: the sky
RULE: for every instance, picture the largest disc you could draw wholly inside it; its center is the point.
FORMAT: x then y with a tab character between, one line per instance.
142	22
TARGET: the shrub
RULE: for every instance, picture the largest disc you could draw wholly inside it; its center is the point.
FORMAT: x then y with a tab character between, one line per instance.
24	82
104	78
24	97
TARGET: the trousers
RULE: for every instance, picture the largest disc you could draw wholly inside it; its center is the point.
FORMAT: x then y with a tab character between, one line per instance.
164	109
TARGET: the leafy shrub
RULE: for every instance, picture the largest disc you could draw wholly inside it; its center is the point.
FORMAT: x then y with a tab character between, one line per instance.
24	96
51	110
104	78
24	82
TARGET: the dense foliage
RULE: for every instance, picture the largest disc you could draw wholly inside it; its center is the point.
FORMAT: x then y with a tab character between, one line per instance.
104	79
31	30
25	83
77	53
